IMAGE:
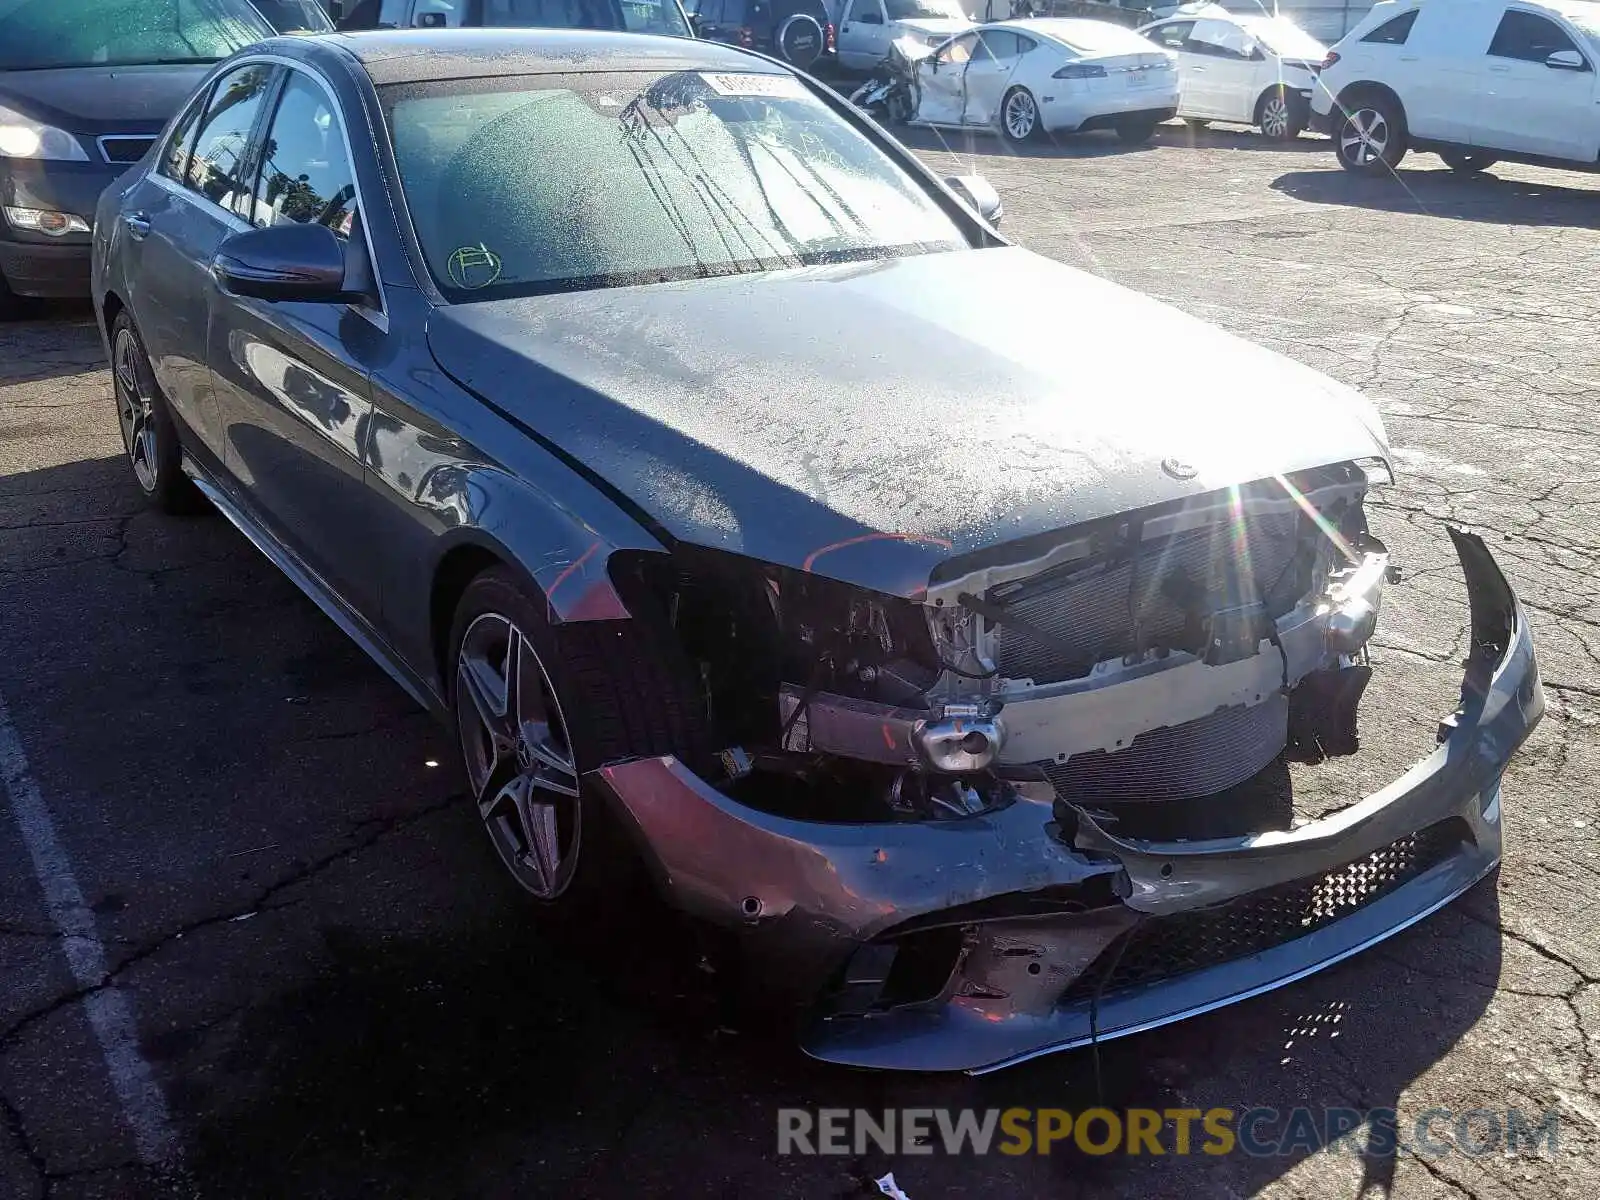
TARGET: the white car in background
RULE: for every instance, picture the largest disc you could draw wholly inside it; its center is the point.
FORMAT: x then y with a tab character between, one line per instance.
1474	81
867	28
1247	69
1037	76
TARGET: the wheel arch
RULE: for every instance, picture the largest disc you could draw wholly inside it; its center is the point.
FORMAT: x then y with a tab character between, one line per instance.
1367	90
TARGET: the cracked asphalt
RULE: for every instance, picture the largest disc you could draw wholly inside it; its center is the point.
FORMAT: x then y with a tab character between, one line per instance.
339	995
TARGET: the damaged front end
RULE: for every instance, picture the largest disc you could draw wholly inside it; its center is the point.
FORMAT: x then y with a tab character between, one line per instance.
1003	818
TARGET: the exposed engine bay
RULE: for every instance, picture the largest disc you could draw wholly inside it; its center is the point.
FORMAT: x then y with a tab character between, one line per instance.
1153	656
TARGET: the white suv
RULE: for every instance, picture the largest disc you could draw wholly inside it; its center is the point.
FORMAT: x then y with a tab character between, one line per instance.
1474	81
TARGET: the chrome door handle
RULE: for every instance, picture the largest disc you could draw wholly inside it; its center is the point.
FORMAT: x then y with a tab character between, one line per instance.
138	225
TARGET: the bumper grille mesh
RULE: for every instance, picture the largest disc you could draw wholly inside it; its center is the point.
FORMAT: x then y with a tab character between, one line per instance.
1152	595
1165	947
1197	758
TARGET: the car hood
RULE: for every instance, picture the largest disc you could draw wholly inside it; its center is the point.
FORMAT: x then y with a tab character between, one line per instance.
98	99
933	27
873	420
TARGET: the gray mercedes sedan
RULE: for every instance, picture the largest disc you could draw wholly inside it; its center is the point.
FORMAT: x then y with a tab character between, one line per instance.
767	527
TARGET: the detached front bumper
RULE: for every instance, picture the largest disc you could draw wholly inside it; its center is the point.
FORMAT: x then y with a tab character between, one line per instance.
975	943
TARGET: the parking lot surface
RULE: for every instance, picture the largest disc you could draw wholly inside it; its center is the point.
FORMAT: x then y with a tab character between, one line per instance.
316	981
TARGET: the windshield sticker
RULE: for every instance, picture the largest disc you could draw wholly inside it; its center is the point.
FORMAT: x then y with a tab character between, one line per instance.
473	267
778	87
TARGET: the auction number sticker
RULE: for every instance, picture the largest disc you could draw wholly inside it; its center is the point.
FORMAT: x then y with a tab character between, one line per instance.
772	87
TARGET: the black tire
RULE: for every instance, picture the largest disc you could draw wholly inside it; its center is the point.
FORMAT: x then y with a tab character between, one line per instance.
621	690
1468	162
1136	132
1016	125
898	107
1370	135
149	435
1282	114
800	41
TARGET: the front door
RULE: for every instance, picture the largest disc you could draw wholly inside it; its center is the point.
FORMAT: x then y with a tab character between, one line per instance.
176	218
989	73
1528	102
864	35
1174	36
941	81
1225	70
292	378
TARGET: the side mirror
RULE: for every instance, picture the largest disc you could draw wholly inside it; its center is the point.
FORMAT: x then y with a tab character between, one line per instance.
283	262
1566	60
980	196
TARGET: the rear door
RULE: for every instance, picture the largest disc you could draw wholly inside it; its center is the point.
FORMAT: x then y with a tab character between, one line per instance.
1528	103
174	221
988	74
863	37
1437	69
291	378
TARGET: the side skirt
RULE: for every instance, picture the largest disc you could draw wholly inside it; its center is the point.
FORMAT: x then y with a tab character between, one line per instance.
341	614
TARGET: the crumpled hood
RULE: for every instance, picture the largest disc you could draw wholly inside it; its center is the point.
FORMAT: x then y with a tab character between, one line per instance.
869	421
102	99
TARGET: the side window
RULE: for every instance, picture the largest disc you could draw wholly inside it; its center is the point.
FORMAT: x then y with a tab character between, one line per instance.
180	146
306	176
1529	37
1171	36
866	12
392	13
1394	31
1001	44
218	166
957	51
1218	39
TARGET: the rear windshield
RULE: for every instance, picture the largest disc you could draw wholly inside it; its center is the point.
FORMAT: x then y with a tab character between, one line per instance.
1099	37
1284	38
564	182
36	34
634	16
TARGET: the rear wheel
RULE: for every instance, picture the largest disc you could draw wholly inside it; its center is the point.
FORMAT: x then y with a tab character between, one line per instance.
1019	116
1137	130
1370	137
1468	162
536	706
1281	115
148	433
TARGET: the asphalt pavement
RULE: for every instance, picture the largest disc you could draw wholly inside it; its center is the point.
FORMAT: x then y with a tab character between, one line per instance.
250	928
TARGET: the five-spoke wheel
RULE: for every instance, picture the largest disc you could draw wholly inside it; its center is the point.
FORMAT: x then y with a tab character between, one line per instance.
148	434
1370	138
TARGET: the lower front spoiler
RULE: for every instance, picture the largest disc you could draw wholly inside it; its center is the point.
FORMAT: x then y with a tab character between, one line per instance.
1041	899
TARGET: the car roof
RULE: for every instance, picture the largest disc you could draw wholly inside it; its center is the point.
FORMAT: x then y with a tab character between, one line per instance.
424	55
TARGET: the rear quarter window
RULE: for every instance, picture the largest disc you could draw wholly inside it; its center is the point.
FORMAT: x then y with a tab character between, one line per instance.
1394	31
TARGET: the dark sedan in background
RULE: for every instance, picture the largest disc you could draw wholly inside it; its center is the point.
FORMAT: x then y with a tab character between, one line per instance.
85	87
759	518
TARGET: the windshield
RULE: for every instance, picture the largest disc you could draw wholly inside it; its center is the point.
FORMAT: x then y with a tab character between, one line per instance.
1284	38
910	10
605	180
35	34
633	16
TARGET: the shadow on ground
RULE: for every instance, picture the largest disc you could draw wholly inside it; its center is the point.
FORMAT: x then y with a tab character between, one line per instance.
1448	194
51	339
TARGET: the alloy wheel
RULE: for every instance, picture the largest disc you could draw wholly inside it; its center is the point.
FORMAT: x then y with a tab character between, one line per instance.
1364	139
1021	115
135	410
1275	117
518	757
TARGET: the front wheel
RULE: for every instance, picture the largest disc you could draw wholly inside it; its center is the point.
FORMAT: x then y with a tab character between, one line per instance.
1282	115
1370	137
1019	116
536	706
1136	132
1468	162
